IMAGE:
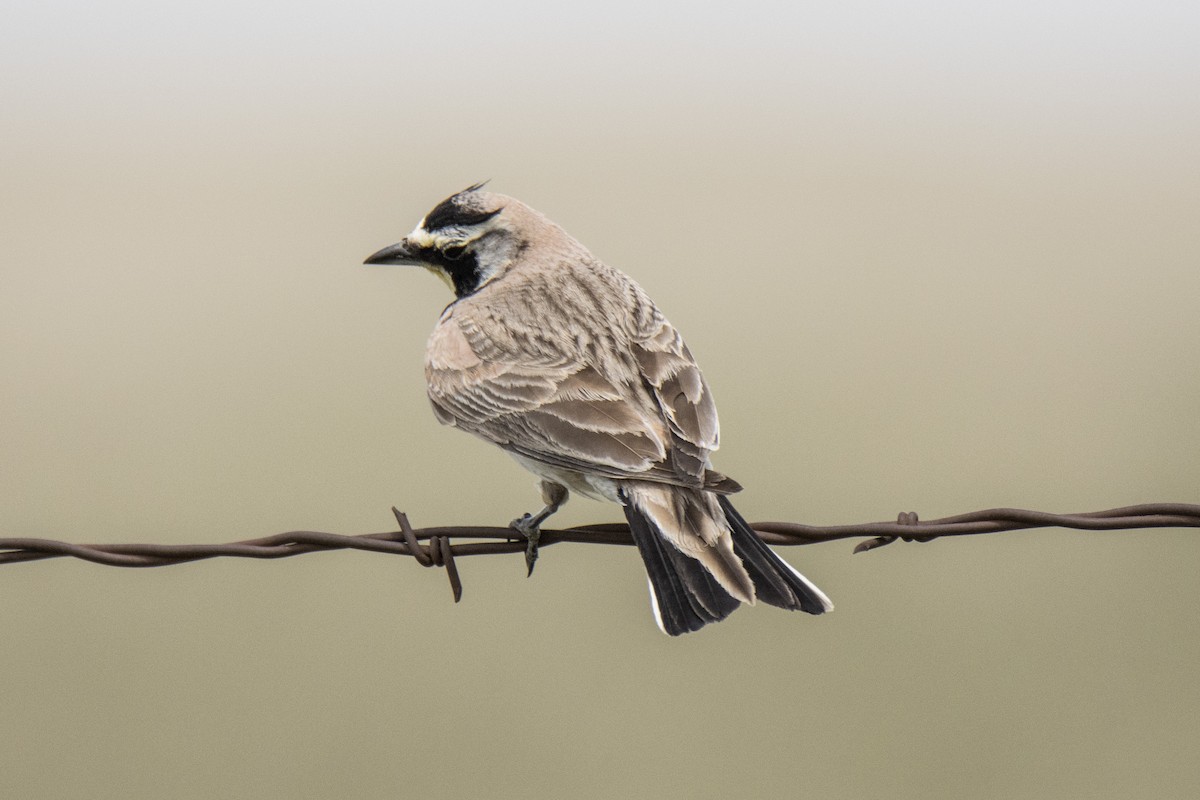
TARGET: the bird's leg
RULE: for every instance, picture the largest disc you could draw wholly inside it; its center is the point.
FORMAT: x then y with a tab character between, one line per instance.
529	526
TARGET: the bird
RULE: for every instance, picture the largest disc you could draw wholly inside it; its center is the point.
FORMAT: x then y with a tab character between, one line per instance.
567	364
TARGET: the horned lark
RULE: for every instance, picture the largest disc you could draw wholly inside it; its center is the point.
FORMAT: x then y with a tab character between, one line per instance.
568	365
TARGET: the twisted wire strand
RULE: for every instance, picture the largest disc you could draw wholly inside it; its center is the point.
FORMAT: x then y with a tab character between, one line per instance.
437	549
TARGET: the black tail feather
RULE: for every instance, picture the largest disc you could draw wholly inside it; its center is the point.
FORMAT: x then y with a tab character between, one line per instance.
775	582
686	595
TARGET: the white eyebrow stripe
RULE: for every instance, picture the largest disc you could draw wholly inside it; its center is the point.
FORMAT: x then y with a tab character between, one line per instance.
420	236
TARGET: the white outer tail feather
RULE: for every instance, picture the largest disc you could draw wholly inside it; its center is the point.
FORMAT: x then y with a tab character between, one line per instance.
824	598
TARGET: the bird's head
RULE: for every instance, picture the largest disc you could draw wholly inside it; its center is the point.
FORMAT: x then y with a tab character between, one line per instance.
468	239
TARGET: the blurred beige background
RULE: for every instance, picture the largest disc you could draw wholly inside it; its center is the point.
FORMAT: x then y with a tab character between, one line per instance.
932	258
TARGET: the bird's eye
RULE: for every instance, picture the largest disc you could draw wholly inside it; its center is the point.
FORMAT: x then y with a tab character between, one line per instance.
455	252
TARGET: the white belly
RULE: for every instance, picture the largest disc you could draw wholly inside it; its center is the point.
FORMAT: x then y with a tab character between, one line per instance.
593	486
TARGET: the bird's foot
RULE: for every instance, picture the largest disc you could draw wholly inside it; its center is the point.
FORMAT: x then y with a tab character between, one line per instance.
529	526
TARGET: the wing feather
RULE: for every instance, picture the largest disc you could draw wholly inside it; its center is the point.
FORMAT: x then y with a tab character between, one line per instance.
682	395
629	402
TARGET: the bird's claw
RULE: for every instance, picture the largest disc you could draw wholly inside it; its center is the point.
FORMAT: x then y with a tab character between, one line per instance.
529	528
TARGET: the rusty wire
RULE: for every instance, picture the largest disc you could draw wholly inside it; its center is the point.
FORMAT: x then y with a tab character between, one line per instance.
439	552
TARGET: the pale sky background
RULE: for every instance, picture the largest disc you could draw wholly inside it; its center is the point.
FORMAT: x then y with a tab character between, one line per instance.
934	257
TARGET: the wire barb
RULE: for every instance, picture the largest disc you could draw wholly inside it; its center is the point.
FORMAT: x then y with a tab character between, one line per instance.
437	554
903	518
441	553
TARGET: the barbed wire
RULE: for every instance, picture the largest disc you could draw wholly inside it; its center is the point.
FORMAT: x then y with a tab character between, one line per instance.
439	552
